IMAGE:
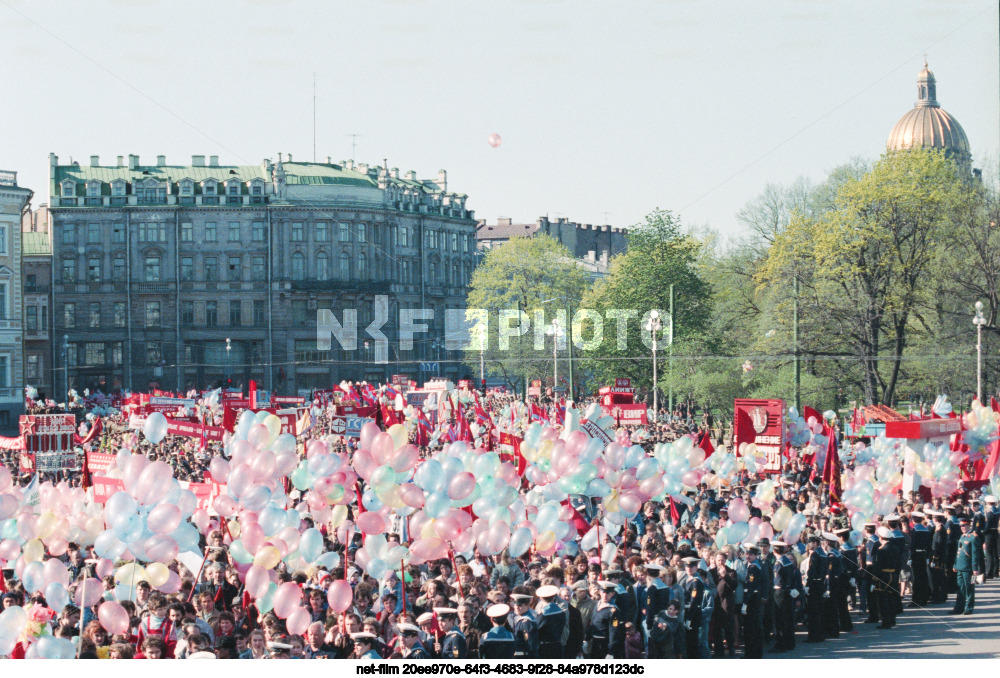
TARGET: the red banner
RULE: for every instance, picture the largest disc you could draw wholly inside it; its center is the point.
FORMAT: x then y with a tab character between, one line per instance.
510	451
194	430
631	415
105	487
761	422
98	463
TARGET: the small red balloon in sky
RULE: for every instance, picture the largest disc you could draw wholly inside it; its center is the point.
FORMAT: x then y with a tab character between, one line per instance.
494	140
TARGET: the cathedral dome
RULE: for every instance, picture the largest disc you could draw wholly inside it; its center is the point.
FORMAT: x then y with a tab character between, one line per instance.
927	125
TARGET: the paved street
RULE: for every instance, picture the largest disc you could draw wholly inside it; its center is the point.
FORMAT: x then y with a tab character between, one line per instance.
930	633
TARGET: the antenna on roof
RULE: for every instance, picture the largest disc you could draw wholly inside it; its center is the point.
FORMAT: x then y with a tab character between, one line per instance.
354	145
314	116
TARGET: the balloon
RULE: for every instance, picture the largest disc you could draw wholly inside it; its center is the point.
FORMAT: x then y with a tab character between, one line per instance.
311	544
113	617
461	486
157	574
340	596
50	647
89	592
164	518
257	581
520	540
286	599
33	577
155	427
267	557
298	622
371	522
493	140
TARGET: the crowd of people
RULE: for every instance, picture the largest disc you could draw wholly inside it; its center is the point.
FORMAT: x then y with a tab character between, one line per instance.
671	589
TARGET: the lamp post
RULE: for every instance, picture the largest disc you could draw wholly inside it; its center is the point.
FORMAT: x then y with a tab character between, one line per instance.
653	326
569	342
979	320
482	354
229	366
554	333
436	345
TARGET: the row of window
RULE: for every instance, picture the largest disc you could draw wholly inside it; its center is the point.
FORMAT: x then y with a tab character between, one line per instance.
152	188
348	268
320	231
111	353
153	316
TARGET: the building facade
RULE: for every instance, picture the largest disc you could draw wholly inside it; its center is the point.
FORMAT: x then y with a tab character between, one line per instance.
36	278
592	247
13	200
187	276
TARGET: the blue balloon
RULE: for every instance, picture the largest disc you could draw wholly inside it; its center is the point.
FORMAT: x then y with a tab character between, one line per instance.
187	537
519	542
311	545
271	520
33	577
330	560
429	475
257	498
437	505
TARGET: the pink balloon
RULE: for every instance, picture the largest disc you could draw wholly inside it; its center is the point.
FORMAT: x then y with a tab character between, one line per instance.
368	433
431	548
494	140
404	458
219	469
259	435
286	599
113	617
105	567
462	485
340	596
447	528
164	518
172	585
56	572
224	505
161	548
498	536
411	495
257	581
382	448
371	522
89	592
9	550
263	465
298	622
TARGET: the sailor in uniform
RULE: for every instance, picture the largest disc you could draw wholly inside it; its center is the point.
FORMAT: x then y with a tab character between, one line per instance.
606	633
968	565
364	645
453	645
525	628
920	552
498	642
787	589
412	649
551	624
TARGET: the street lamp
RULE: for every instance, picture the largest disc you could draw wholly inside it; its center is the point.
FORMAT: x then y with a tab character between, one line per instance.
482	356
569	343
436	345
229	366
554	332
653	326
979	320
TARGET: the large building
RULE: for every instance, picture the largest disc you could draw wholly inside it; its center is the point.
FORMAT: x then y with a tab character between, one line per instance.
929	126
185	276
36	270
592	247
13	200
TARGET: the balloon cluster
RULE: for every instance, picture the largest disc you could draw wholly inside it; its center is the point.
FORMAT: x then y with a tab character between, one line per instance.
980	425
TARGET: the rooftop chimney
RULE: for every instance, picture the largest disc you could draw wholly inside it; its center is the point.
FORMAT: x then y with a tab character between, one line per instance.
121	161
329	160
133	162
289	157
213	161
95	161
161	161
442	181
197	161
411	176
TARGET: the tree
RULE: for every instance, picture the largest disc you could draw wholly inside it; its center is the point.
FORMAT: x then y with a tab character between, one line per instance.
659	255
865	262
510	285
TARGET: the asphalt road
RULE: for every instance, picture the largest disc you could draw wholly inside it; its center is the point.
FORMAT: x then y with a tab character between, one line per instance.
929	633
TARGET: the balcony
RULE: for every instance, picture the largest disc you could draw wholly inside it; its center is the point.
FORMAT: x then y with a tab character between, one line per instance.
67	202
354	286
8	392
93	201
209	200
154	200
152	287
234	199
119	201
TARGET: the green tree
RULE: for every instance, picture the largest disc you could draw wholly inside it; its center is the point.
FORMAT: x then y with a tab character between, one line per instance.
514	279
659	255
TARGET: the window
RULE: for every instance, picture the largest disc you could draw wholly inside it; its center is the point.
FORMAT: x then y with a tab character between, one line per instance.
258	267
31	318
68	189
3	301
118	268
118	233
300	311
187	268
33	369
118	188
93	189
211	269
152	314
152	268
94	315
69	271
322	231
69	234
210	233
256	189
259	234
93	269
208	188
154	354
235	313
432	272
69	316
30	282
362	233
3	239
235	269
45	318
344	233
187	313
298	266
454	242
403	237
152	231
93	233
71	355
298	234
116	354
234	231
189	355
187	232
211	314
362	267
345	266
322	266
258	312
432	240
120	315
187	188
233	188
93	353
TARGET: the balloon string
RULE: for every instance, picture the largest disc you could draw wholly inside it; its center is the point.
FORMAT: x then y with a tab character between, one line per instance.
454	569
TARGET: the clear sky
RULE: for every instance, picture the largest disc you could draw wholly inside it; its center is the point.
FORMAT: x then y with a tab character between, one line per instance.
604	107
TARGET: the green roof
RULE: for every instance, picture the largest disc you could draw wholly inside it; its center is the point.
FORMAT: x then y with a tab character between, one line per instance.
299	173
171	173
34	243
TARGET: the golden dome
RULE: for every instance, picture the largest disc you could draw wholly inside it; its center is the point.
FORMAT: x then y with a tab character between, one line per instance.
928	125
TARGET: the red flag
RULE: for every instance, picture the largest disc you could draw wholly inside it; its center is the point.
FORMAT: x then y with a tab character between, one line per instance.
831	469
388	416
810	412
510	446
705	443
745	432
464	432
577	519
675	515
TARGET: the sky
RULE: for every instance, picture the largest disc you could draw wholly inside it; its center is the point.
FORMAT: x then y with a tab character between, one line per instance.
606	110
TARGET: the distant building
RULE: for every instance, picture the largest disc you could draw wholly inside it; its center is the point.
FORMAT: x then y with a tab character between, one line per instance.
591	246
13	200
157	266
36	276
